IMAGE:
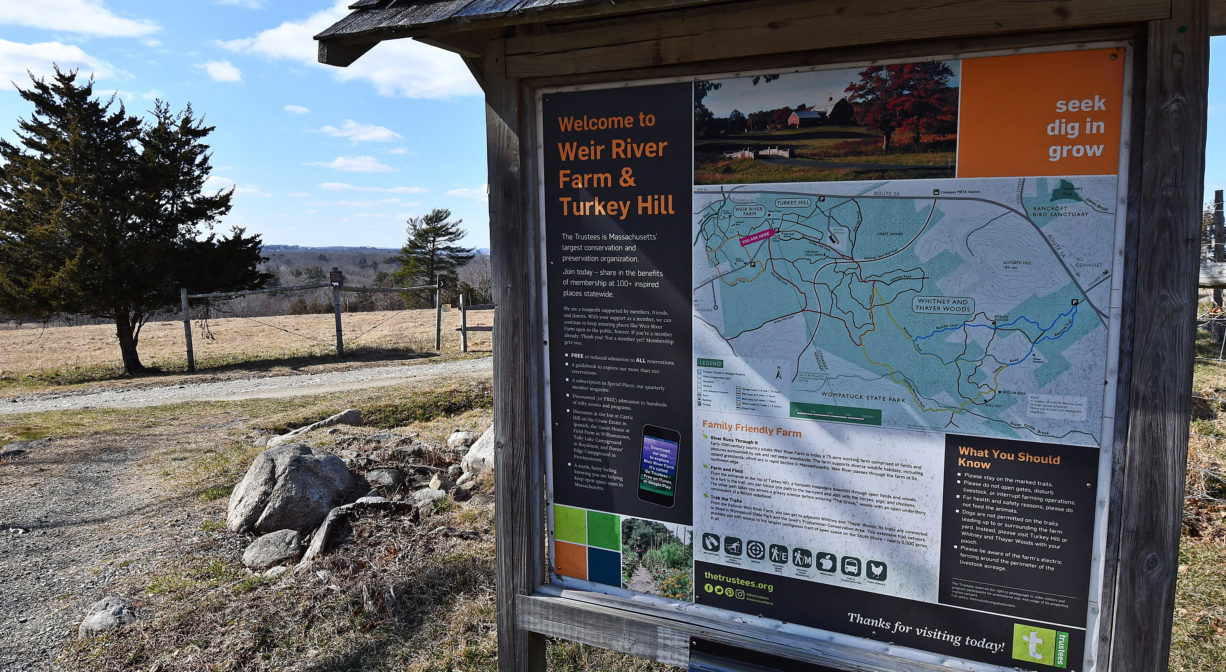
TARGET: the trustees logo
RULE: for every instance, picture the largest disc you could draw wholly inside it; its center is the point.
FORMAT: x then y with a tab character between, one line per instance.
1040	645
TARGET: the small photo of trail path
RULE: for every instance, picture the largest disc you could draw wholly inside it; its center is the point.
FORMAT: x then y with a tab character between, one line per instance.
658	559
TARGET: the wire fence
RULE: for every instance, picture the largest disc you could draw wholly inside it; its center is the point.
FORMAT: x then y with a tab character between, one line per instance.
206	308
1206	484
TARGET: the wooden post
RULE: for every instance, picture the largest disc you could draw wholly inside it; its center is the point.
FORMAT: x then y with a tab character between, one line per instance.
1169	211
463	323
438	313
336	310
1219	254
187	330
518	361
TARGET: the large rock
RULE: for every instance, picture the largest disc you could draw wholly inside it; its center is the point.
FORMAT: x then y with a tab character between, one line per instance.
273	549
480	458
349	417
385	478
108	613
460	439
290	487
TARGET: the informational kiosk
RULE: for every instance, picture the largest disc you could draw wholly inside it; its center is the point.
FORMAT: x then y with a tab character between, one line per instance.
855	334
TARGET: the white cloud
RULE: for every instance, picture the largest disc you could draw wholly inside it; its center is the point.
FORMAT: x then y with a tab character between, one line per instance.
356	164
396	68
87	17
17	58
481	193
222	183
223	71
297	109
362	132
341	186
248	4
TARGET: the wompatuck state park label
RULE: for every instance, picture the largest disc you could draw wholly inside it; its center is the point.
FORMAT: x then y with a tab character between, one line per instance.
857	368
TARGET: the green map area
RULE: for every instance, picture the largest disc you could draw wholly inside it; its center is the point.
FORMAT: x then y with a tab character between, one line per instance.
975	306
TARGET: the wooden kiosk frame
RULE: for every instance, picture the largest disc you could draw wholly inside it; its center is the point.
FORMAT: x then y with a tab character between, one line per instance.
517	47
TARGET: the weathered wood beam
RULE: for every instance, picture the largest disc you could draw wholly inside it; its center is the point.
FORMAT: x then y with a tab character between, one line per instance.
751	29
1164	305
344	52
518	368
1217	17
663	635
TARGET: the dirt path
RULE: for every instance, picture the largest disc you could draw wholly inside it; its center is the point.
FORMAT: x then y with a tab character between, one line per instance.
76	515
250	388
641	581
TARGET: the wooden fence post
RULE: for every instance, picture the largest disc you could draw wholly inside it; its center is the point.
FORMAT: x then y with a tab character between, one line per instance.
187	330
438	312
1219	254
336	310
1161	349
463	323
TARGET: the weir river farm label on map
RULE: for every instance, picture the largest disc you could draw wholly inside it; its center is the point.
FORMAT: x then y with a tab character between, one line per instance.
976	306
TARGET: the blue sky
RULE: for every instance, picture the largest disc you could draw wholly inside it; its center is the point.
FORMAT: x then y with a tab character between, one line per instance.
319	155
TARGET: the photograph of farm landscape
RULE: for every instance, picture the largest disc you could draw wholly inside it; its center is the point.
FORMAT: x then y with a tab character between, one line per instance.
893	121
246	339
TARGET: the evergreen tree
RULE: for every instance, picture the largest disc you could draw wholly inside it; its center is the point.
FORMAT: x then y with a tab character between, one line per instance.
431	249
101	213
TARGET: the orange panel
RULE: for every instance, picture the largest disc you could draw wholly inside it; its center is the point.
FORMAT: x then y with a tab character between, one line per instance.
570	560
1055	113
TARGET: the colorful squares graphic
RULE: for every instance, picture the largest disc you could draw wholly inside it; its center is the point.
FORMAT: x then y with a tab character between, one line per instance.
604	567
570	525
587	545
604	530
570	560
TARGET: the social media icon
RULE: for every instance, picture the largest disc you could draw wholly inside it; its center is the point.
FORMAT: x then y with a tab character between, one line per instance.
732	546
756	550
802	557
851	566
710	542
826	562
876	571
779	554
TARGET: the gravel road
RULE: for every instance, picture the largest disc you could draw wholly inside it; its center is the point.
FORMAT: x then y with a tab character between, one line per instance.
250	388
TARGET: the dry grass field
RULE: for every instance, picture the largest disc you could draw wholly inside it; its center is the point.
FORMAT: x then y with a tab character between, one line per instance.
37	356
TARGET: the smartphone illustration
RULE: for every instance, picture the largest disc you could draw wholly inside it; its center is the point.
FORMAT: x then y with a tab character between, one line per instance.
658	465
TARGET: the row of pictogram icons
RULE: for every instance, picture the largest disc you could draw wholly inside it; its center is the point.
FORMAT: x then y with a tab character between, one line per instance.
802	558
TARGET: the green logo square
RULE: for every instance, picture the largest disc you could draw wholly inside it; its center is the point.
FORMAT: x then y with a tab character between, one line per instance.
1040	645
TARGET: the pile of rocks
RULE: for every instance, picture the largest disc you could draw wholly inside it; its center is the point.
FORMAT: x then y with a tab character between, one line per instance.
300	500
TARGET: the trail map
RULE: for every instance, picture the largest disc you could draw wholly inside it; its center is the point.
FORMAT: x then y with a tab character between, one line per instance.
971	306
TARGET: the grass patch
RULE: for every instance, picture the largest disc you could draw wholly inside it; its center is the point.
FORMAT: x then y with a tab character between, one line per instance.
427	406
217	492
1198	639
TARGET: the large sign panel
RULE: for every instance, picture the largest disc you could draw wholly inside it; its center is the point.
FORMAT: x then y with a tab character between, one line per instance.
837	347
